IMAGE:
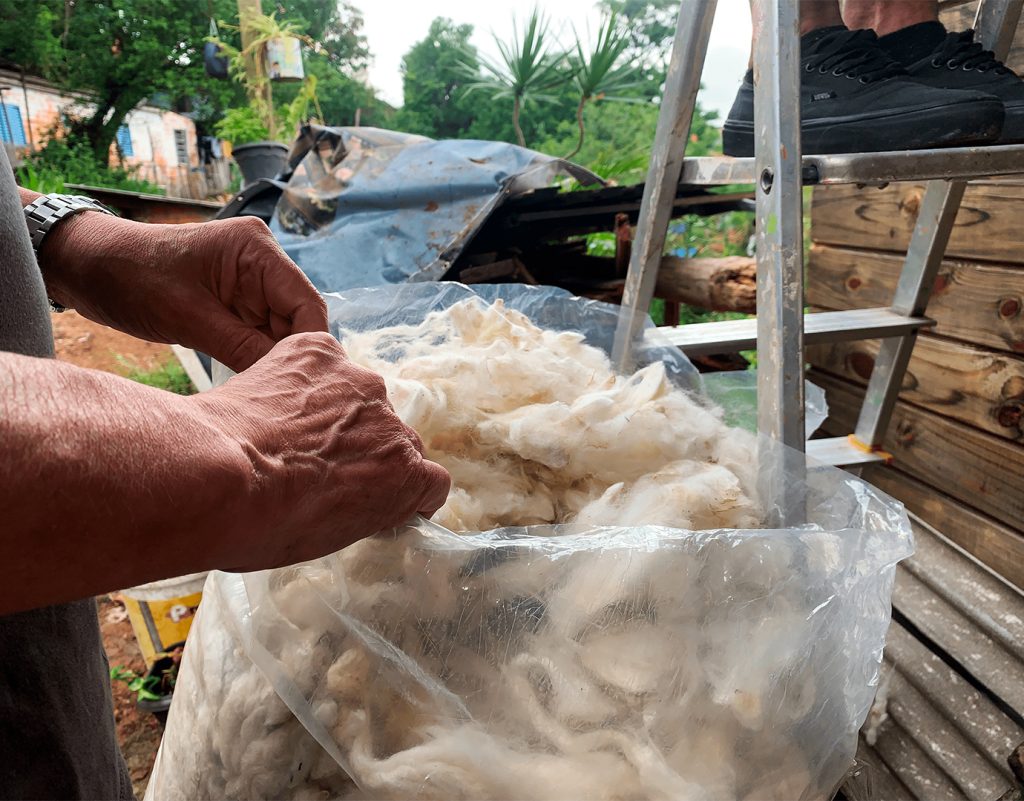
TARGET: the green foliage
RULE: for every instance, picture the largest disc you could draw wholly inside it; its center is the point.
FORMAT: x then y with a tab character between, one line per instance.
340	95
121	52
527	71
620	135
433	82
241	126
68	159
170	376
145	688
600	74
650	26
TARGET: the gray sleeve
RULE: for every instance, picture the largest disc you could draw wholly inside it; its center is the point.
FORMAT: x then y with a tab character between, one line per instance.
24	313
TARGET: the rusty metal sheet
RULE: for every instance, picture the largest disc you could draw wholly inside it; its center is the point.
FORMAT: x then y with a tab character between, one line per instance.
365	207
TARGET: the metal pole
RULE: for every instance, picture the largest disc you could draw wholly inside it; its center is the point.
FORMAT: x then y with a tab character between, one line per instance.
995	24
780	267
693	29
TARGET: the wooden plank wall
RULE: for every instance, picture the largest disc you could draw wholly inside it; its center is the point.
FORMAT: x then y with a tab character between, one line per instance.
958	431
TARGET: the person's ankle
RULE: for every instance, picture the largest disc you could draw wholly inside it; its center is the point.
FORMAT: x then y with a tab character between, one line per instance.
913	42
895	18
810	23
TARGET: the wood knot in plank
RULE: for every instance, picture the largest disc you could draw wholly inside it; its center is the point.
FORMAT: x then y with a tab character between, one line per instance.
1009	307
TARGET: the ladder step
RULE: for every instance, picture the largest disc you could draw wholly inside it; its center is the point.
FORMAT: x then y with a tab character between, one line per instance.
729	336
870	169
840	452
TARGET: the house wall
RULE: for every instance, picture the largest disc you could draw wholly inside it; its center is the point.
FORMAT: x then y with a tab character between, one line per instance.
957	435
155	157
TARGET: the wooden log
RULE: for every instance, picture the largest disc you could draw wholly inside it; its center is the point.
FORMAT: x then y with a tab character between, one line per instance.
981	470
999	547
726	283
978	303
980	387
987	227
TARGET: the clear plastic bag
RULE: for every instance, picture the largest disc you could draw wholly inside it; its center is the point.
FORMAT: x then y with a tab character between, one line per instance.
546	662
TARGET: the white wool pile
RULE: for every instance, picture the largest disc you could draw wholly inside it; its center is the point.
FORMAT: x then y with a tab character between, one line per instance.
635	663
536	427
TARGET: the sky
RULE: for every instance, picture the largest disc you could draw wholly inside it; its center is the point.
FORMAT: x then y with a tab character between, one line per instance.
393	26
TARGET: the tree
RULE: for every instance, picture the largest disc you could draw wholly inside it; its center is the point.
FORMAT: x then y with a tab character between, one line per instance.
434	79
121	52
341	95
650	26
527	71
118	52
620	136
600	72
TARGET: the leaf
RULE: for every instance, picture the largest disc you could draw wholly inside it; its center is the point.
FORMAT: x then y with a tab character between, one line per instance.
600	71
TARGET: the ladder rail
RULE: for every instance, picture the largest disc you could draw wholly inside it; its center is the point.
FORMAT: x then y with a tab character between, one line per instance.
780	268
693	30
995	24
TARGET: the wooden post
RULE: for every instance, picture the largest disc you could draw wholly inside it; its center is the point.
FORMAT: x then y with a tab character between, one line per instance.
623	244
254	68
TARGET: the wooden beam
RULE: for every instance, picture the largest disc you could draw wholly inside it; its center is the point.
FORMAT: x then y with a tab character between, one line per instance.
978	303
999	547
720	284
987	226
979	469
980	387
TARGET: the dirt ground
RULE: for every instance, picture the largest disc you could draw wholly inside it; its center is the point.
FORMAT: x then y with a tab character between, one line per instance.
138	732
88	344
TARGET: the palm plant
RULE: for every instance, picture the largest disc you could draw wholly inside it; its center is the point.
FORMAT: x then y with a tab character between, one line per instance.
527	70
599	75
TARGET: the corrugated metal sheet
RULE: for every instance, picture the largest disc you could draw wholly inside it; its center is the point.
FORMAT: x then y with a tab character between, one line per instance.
953	710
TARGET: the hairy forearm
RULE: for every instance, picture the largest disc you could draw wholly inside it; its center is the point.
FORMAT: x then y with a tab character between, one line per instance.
105	484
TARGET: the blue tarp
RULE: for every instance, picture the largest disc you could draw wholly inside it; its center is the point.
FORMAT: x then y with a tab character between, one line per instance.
367	207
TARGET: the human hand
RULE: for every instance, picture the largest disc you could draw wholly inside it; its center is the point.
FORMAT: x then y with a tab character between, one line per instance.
224	287
331	461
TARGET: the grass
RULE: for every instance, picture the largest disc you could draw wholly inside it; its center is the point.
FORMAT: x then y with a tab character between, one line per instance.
170	376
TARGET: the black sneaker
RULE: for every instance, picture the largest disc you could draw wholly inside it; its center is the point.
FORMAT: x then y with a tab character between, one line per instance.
944	60
855	99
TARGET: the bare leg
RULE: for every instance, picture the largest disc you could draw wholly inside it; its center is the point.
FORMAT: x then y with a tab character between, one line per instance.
886	16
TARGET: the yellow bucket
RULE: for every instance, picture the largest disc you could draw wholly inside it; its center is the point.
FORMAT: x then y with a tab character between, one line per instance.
161	613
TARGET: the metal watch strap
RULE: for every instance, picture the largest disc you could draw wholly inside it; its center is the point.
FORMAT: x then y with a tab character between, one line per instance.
43	213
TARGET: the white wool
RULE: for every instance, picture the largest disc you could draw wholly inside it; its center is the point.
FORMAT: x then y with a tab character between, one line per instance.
536	427
497	673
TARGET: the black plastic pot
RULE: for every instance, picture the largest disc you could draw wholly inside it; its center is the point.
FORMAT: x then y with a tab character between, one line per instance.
159	707
259	160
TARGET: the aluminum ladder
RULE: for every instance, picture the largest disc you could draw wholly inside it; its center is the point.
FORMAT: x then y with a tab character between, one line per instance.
781	329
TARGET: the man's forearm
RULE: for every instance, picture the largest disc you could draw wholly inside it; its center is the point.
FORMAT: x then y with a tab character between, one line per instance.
105	483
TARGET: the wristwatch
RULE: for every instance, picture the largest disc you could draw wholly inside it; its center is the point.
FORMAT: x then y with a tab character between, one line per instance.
45	212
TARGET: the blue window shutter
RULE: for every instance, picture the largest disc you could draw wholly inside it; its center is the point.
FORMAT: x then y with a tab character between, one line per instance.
11	128
124	141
